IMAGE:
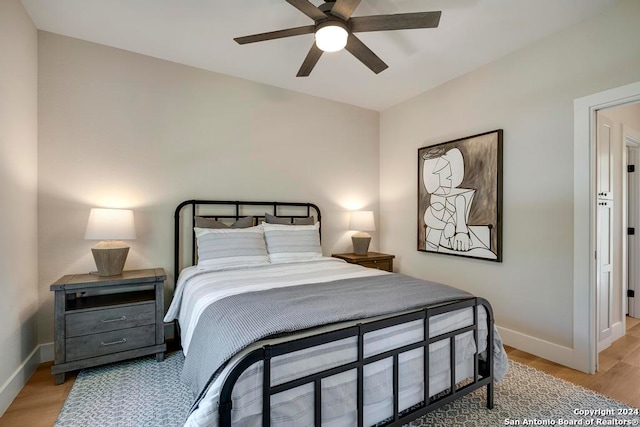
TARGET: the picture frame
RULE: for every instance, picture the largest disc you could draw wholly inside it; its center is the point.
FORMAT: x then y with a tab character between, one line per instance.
460	197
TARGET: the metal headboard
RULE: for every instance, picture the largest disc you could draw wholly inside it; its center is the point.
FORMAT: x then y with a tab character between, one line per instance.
232	210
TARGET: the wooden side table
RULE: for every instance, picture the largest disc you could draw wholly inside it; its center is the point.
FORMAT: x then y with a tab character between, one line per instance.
371	260
100	320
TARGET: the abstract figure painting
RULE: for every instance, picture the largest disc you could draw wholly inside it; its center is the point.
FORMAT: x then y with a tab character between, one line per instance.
460	197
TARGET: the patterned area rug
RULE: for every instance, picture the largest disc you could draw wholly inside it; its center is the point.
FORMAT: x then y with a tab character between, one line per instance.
145	393
135	393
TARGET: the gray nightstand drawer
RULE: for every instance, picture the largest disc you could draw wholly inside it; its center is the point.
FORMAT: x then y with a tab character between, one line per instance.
110	342
110	319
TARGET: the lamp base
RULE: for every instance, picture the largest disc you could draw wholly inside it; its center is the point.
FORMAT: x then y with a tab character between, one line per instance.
110	257
361	244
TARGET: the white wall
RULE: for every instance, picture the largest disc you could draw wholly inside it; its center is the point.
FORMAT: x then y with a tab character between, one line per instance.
119	129
530	95
18	198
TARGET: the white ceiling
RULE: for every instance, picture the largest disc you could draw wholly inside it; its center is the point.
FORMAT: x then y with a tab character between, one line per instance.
200	33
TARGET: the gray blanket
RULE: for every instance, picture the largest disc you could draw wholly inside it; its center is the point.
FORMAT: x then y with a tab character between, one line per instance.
234	322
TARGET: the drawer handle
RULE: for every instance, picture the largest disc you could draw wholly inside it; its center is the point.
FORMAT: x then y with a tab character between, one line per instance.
114	320
122	341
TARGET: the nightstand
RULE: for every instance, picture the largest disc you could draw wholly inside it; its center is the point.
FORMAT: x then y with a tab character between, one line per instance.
371	260
100	320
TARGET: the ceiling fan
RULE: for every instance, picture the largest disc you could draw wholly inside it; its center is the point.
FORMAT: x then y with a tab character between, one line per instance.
334	30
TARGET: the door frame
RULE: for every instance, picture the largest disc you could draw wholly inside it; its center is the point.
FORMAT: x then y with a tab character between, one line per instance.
585	354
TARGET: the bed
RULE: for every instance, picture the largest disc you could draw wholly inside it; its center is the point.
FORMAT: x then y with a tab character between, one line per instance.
283	336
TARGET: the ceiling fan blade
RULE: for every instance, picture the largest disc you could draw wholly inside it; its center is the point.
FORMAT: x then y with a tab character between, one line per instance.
400	21
276	34
365	55
344	8
310	61
306	7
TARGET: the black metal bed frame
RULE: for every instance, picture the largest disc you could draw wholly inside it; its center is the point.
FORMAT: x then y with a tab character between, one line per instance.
482	369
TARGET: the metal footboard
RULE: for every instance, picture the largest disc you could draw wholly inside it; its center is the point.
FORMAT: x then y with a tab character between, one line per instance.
482	369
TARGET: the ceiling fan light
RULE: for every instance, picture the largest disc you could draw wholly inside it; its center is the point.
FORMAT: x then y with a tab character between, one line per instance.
331	38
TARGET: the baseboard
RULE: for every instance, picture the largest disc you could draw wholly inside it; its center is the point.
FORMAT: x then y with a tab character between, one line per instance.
46	352
617	331
541	348
10	389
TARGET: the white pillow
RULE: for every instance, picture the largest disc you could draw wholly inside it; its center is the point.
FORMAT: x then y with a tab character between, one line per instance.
291	243
231	247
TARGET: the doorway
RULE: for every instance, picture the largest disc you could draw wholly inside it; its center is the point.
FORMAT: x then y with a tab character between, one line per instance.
615	237
584	220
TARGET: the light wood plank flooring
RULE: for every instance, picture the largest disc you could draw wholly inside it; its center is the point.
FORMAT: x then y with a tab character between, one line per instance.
40	401
619	373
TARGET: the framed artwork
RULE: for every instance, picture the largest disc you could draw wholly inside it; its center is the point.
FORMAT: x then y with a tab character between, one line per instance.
460	197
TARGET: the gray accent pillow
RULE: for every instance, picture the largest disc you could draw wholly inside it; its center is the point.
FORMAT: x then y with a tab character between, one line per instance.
272	219
310	220
202	222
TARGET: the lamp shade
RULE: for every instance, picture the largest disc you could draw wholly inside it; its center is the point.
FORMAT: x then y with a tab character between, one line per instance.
110	224
362	221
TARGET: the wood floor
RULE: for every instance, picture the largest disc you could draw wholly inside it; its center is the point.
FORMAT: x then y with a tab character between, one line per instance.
40	401
619	368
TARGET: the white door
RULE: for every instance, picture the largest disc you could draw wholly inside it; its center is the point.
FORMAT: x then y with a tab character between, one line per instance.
604	237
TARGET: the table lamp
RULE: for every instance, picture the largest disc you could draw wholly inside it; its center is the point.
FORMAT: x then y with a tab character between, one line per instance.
111	226
361	221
